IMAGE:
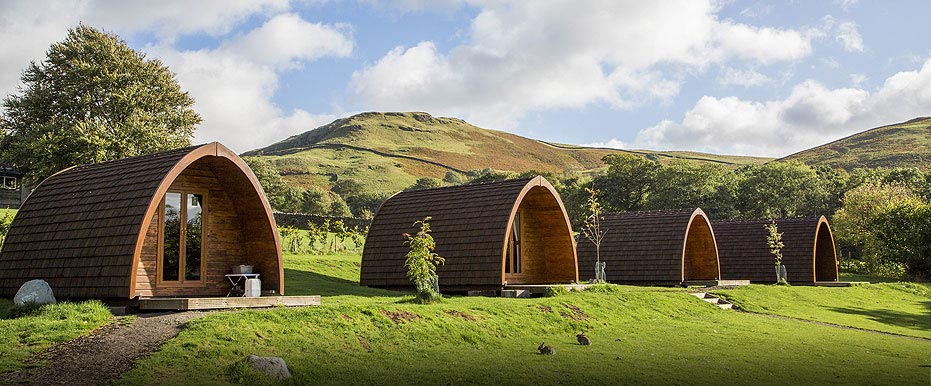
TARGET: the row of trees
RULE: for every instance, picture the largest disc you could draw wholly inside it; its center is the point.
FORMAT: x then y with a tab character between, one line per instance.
329	237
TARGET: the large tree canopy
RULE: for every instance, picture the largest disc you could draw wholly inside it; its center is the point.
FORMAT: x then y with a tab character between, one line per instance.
92	99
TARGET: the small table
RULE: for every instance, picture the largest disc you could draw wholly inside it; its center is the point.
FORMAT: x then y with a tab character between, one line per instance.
235	279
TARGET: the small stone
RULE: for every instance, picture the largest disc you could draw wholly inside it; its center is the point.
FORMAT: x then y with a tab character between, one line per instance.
34	292
274	367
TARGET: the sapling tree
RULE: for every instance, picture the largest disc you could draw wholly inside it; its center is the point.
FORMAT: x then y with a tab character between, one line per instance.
5	222
421	262
317	236
593	232
774	241
293	236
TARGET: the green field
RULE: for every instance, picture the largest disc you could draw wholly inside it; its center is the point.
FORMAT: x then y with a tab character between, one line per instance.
386	152
906	144
640	335
25	332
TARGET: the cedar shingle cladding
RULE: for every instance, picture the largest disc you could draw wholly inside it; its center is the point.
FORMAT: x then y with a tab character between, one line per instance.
80	229
653	247
745	255
470	225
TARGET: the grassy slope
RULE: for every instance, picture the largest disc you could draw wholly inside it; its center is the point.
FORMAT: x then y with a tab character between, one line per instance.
898	308
23	335
902	144
314	157
640	335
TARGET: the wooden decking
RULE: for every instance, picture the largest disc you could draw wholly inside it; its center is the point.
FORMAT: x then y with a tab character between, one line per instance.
715	283
184	304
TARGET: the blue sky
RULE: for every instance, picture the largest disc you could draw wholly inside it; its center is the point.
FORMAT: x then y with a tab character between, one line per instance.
738	77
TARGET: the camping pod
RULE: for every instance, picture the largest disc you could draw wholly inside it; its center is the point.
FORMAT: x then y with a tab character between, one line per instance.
808	254
491	235
653	247
172	223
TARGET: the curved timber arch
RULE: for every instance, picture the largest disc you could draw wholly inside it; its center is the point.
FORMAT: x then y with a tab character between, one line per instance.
474	227
92	231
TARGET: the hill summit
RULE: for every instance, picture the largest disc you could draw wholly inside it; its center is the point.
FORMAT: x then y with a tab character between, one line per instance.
906	144
390	151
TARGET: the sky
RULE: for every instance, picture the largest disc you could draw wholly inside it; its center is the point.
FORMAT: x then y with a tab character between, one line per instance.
722	76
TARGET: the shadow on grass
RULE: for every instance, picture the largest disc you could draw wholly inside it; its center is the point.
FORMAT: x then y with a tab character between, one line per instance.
298	283
919	321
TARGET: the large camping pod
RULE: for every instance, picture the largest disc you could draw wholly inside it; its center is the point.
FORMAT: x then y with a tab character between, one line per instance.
808	253
491	235
654	247
167	224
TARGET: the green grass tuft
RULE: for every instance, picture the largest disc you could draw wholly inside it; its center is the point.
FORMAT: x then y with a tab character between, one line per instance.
25	331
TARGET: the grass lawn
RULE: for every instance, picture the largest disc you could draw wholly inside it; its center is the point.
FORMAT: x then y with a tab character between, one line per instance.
898	308
23	333
4	212
640	336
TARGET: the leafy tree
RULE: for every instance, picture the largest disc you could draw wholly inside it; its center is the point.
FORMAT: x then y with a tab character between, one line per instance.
421	262
424	183
453	178
338	208
293	237
683	184
593	232
774	242
778	189
346	187
5	222
313	202
92	99
628	182
487	175
281	197
364	205
903	235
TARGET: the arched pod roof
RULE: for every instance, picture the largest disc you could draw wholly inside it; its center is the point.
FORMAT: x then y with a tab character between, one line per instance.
471	224
809	253
82	229
653	247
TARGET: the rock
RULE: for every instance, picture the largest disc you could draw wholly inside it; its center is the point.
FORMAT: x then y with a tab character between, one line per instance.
274	367
34	292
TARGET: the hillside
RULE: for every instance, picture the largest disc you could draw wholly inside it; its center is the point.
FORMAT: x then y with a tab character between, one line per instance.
390	151
906	144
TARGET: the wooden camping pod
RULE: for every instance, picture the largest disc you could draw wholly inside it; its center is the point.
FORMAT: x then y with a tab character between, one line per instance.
654	247
809	253
93	231
473	229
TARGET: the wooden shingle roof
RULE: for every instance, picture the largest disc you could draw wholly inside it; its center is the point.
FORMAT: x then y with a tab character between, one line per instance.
745	254
470	224
642	247
81	229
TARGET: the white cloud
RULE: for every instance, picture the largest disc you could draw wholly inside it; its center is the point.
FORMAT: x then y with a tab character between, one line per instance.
747	78
858	79
525	56
30	27
846	4
811	115
234	84
848	34
612	143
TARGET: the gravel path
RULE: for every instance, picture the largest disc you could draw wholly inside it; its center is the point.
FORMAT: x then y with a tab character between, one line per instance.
104	355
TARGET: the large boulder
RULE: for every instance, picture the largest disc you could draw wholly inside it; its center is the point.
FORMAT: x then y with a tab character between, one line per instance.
34	292
273	367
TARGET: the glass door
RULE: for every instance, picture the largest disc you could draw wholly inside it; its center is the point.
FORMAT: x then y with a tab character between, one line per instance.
181	260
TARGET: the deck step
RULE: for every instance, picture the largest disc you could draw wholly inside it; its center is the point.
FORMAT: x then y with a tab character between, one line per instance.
721	303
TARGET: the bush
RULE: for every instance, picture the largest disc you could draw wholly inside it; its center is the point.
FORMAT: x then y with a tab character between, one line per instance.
555	291
5	222
421	263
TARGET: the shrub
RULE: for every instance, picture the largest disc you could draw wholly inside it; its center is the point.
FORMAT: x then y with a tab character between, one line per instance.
554	291
5	222
421	263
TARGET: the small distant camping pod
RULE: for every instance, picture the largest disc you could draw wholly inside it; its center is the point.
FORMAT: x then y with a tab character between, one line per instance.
653	247
172	223
511	232
808	255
